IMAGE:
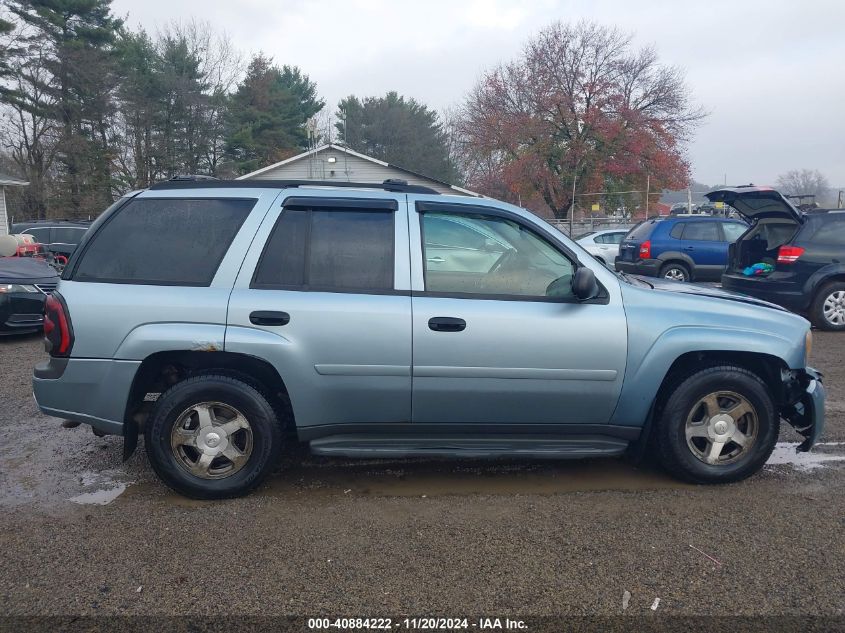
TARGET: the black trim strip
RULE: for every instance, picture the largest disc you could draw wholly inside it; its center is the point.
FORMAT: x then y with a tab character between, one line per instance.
363	204
629	433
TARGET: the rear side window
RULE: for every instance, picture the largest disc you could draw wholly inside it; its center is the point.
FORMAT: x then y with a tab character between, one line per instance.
703	231
641	231
66	235
677	230
41	235
330	250
164	242
831	232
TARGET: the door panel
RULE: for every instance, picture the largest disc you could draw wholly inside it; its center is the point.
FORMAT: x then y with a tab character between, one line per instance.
344	353
525	351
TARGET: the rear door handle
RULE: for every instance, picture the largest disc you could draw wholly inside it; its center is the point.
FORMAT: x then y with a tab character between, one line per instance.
689	248
446	324
269	317
436	260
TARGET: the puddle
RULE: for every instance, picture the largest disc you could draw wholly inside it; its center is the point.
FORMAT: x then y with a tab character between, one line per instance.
784	454
99	497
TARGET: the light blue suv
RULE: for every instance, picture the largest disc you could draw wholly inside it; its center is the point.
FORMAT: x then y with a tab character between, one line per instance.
224	319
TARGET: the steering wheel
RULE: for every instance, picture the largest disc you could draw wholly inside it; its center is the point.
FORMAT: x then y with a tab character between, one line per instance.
505	258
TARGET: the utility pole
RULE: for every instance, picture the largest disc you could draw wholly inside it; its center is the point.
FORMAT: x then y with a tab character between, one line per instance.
572	205
689	200
647	189
840	200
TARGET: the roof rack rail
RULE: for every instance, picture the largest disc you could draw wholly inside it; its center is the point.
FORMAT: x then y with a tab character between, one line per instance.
191	178
391	184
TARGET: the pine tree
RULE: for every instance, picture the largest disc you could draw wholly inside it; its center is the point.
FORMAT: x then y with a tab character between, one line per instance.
399	131
77	39
268	114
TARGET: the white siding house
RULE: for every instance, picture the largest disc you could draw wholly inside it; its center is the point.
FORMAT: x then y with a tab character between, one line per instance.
333	162
5	181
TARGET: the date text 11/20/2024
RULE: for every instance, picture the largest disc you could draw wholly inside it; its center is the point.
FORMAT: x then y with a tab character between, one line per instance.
420	624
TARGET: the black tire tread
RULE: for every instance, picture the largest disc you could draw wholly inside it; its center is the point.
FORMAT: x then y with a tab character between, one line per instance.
661	439
164	406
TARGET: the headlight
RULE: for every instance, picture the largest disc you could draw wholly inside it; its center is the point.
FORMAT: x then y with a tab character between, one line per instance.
4	288
808	347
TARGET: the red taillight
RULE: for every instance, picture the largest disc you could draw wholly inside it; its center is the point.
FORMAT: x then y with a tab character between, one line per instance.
58	333
789	254
645	250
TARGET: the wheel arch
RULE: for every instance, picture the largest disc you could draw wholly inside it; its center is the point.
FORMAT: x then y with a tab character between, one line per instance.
161	370
681	349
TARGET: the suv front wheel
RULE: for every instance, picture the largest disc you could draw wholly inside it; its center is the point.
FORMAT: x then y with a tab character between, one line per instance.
719	425
213	437
828	309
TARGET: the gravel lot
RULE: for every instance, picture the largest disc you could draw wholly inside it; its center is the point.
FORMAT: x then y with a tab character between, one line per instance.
385	538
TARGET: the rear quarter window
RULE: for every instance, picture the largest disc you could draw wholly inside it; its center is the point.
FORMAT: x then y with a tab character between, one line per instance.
641	231
830	231
162	241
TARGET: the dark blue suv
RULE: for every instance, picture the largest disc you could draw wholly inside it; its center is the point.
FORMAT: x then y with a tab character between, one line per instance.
682	248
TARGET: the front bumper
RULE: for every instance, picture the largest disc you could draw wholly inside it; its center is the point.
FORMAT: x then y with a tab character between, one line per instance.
806	412
648	267
21	312
87	390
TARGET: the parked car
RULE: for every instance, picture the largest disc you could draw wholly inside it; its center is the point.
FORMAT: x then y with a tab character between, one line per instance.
603	244
24	285
59	236
804	254
222	319
691	248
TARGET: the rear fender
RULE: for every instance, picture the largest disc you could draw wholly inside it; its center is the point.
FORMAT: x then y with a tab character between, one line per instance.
675	256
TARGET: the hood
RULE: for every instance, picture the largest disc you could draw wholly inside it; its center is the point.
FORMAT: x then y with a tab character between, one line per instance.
23	269
754	203
705	291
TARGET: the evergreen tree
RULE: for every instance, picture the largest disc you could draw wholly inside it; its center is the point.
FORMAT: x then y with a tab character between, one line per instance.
403	132
268	114
77	38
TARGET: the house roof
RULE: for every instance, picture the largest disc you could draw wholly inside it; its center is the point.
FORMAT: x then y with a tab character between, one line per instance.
8	181
346	150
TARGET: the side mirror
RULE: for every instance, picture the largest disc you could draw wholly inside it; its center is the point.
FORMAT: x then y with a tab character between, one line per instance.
584	284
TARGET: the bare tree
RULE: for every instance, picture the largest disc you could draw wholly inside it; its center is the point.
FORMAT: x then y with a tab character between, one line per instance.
804	182
29	134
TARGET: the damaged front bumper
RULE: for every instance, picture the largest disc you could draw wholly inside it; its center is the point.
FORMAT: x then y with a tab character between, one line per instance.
805	405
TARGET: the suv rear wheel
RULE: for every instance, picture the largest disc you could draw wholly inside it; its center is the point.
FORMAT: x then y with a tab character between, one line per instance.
213	437
675	271
719	425
828	309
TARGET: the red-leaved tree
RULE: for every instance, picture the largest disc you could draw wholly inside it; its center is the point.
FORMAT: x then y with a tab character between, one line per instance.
579	104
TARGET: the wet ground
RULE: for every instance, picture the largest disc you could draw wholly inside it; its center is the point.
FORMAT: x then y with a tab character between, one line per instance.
85	534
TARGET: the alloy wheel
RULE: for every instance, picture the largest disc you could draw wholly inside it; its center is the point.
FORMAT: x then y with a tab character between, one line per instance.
721	428
211	440
834	308
675	274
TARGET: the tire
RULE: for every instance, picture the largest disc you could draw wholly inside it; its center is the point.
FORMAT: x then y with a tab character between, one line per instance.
686	432
213	437
675	271
827	311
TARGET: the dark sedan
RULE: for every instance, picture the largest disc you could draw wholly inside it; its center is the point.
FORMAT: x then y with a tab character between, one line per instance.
24	284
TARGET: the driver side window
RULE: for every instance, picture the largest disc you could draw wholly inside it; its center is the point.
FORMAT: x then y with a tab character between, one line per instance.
488	255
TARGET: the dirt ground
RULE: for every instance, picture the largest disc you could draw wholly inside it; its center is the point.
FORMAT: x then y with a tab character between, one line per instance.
85	534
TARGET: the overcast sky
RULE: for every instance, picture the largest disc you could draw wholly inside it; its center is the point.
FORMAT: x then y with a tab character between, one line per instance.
771	73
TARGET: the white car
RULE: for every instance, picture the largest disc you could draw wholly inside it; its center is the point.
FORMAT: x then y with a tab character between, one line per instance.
604	244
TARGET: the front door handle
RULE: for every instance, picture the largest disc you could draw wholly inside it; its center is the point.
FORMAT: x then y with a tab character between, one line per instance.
269	317
435	260
446	324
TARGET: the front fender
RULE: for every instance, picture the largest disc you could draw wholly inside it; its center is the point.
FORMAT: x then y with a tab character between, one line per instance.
643	379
